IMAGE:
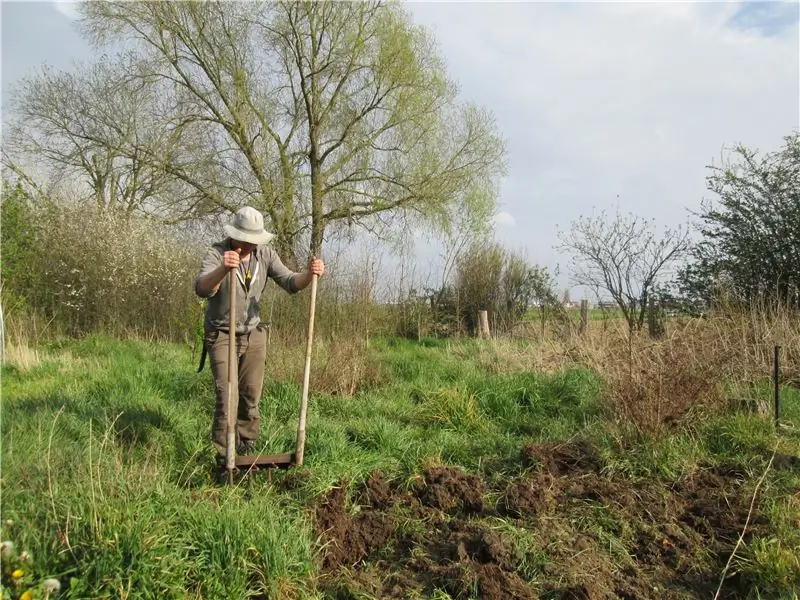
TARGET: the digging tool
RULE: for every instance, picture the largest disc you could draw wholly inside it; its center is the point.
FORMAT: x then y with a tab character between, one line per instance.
301	424
259	461
233	462
233	380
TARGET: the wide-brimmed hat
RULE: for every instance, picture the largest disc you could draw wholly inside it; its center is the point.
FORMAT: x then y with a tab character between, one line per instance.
247	225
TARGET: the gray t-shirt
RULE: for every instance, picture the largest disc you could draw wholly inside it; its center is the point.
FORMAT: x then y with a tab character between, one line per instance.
265	263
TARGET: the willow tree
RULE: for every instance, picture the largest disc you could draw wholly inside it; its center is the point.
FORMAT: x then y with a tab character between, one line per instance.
318	113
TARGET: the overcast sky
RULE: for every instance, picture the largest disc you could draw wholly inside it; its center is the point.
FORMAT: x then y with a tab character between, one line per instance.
604	105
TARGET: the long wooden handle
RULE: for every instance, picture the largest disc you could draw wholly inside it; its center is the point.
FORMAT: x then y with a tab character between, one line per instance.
301	425
230	454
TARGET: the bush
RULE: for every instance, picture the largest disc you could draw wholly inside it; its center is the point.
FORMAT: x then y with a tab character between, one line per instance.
662	384
492	278
91	271
19	237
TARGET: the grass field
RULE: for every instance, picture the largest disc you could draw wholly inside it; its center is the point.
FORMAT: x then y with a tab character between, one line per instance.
442	476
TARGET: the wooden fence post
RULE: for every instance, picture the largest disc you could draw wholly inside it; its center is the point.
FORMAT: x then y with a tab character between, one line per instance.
584	316
483	325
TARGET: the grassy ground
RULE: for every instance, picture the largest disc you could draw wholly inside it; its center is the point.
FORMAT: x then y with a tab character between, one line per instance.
438	478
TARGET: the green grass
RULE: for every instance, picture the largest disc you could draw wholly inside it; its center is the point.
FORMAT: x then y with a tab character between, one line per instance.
593	314
107	481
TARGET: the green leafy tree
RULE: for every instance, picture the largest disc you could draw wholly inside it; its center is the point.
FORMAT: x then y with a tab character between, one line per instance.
18	242
323	115
750	244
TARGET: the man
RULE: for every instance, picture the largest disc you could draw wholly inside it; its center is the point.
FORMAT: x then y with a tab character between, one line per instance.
246	251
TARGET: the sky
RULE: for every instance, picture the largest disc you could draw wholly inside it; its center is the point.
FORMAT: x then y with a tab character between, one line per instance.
604	106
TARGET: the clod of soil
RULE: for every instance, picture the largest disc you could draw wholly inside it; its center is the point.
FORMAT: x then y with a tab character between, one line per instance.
528	497
350	538
562	459
451	490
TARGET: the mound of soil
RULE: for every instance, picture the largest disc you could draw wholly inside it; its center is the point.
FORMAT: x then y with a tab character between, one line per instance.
350	537
562	459
451	490
559	530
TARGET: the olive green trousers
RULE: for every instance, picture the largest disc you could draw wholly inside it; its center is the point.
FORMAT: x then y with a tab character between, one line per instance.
251	352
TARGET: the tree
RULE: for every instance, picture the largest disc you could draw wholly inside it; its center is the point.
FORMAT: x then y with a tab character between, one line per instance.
624	257
750	245
98	127
490	277
319	113
18	244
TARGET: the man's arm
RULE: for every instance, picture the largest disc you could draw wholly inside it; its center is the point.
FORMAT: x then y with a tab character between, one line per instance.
213	271
315	267
290	281
208	284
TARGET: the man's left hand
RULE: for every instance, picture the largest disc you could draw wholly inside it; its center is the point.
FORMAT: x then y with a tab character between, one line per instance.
316	267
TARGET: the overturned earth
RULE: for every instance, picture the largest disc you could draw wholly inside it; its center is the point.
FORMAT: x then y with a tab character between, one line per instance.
558	529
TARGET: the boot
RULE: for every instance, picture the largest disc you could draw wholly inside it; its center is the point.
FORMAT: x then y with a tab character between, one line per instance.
245	448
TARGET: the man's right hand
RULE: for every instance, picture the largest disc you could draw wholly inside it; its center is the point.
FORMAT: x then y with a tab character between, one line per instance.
231	259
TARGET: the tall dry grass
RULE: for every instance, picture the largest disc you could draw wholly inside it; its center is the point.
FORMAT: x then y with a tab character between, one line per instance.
341	366
701	364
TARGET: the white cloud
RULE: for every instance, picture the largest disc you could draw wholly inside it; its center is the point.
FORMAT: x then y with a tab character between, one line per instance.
618	104
504	218
67	8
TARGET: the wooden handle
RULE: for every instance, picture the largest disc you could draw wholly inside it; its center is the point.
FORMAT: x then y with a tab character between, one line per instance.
230	454
301	425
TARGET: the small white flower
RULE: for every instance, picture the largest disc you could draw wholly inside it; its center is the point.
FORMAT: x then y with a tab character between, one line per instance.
51	586
25	556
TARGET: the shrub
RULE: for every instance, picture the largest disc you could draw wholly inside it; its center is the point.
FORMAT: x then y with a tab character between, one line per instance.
109	271
662	383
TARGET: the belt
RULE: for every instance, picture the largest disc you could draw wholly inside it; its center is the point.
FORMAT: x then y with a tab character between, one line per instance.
261	326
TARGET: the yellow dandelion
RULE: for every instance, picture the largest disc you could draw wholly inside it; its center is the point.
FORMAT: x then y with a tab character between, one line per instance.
17	573
28	595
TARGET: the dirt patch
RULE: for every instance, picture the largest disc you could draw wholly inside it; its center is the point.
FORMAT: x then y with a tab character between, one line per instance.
562	459
528	497
560	529
349	538
451	490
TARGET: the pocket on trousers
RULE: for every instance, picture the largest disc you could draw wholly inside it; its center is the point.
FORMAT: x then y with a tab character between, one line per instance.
210	337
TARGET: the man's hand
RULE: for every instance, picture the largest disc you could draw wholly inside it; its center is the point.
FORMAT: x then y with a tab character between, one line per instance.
231	259
316	266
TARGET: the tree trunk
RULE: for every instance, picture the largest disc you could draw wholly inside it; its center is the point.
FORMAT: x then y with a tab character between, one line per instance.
655	320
